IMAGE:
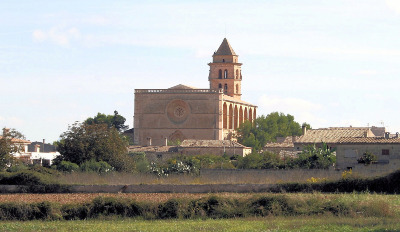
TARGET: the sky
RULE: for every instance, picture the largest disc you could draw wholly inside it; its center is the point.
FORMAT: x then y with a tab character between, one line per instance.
326	62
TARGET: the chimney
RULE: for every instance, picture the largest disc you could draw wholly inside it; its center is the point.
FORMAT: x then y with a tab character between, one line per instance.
148	141
397	135
304	129
43	145
387	135
166	141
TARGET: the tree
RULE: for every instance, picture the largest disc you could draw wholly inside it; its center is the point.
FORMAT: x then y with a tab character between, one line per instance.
83	142
267	128
313	157
265	160
117	121
9	145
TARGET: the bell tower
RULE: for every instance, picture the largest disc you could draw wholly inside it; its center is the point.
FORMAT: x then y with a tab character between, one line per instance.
225	71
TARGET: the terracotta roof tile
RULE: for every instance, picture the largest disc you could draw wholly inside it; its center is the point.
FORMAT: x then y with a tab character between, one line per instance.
14	140
370	140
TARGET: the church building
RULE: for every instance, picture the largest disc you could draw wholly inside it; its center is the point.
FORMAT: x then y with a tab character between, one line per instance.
183	112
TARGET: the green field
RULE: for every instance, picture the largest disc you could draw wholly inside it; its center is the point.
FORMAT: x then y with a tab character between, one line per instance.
250	224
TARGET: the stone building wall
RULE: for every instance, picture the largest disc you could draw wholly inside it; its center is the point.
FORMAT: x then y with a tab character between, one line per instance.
177	114
347	155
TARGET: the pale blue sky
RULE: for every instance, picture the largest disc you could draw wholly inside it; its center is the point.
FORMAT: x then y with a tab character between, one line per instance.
327	62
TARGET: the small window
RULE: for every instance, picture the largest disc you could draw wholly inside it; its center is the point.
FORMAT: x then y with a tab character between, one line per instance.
385	151
223	60
225	74
220	74
226	87
220	86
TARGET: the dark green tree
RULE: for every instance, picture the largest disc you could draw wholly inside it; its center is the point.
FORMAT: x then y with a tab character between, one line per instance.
83	142
266	128
117	121
313	157
9	144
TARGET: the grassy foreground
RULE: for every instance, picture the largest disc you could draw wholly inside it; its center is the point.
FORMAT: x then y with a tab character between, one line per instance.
316	223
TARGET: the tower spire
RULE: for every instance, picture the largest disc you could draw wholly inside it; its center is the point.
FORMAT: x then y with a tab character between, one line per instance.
225	71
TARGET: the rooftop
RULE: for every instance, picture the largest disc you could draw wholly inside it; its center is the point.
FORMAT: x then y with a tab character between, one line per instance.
225	49
369	140
14	140
333	134
210	143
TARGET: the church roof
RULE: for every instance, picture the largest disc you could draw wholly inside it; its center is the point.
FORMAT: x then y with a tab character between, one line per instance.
180	86
209	143
225	49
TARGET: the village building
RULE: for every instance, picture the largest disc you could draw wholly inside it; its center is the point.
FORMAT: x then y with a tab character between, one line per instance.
213	147
386	149
164	116
33	152
330	136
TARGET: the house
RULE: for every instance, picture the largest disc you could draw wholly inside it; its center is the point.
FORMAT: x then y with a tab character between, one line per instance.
386	149
281	144
33	152
213	147
330	136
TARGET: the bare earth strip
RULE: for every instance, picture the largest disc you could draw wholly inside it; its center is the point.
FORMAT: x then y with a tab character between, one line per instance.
87	197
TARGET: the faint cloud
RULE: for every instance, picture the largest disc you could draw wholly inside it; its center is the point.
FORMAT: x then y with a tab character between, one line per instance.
58	35
393	5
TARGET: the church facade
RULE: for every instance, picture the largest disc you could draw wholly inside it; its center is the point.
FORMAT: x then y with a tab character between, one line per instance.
183	112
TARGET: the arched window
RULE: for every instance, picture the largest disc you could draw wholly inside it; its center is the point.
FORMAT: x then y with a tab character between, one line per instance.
237	88
220	86
225	74
226	87
220	74
237	74
223	60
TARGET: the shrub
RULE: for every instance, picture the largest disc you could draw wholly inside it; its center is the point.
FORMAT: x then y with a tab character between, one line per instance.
66	166
271	205
23	211
93	166
75	212
169	209
367	158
